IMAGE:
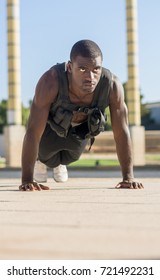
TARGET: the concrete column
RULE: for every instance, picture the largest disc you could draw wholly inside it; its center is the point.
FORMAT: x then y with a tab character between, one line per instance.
138	143
14	115
13	135
133	88
14	131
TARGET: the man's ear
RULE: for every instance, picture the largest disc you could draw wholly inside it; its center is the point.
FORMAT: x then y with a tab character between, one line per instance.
69	66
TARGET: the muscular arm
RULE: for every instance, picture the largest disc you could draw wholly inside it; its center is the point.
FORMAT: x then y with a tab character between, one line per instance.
46	92
119	120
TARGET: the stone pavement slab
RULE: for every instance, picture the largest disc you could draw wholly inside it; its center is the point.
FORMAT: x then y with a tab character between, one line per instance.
84	218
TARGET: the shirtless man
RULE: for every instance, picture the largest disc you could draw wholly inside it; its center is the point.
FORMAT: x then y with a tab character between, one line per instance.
67	110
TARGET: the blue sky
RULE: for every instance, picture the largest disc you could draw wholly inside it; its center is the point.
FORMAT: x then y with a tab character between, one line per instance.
49	28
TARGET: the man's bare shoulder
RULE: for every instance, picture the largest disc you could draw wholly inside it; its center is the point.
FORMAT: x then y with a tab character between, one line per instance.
48	79
117	91
47	87
117	86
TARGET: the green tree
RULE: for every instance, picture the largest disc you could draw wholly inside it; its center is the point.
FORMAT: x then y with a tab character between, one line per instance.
3	114
146	120
25	115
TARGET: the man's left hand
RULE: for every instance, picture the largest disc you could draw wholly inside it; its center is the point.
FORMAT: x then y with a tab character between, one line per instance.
129	185
32	186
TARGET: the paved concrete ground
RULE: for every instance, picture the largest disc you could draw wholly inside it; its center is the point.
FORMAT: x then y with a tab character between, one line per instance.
85	218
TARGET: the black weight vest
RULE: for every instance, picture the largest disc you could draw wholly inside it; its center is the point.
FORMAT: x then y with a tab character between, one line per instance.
61	111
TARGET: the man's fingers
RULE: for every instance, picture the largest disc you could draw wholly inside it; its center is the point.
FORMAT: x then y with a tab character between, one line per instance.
140	185
118	186
123	185
137	185
36	187
44	187
26	187
32	187
129	185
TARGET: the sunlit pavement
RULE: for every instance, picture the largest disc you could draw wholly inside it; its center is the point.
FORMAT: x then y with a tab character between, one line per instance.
85	218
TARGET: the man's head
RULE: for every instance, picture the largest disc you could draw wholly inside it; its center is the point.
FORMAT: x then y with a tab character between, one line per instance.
85	66
85	48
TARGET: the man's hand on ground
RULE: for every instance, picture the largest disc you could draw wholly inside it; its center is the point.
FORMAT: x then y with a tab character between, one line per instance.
129	185
33	186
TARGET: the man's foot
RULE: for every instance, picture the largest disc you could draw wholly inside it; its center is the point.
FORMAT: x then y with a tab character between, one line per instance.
60	173
40	172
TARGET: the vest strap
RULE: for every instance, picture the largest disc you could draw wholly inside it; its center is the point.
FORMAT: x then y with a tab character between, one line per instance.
61	111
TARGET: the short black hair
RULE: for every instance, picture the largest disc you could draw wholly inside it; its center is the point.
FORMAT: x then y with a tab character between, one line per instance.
85	48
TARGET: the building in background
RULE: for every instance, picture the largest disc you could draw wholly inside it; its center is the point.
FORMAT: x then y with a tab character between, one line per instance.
154	112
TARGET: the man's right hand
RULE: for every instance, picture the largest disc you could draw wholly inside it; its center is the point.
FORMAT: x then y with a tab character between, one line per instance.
33	186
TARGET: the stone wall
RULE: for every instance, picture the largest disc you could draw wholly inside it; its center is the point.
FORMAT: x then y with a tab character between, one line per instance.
152	139
105	142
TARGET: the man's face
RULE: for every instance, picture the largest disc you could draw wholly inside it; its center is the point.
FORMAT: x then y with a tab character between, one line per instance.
85	73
